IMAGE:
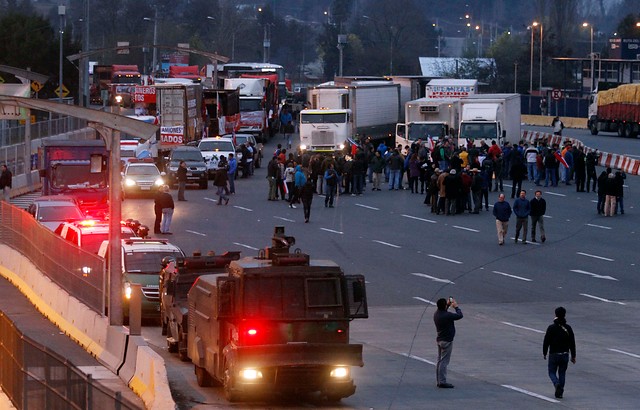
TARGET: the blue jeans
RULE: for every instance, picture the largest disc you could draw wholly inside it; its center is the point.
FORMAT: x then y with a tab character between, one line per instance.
550	172
532	170
167	215
558	362
394	178
232	185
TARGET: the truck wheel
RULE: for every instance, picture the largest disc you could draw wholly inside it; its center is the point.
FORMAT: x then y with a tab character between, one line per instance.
203	377
593	128
334	398
204	185
628	130
621	131
229	393
182	347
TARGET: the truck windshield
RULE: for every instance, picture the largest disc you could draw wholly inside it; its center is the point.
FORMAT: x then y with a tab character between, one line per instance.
127	79
250	105
292	298
479	130
339	118
146	262
425	131
187	156
77	176
216	146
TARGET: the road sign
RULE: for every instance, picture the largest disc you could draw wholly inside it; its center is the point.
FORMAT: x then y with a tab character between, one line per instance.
556	94
65	91
36	86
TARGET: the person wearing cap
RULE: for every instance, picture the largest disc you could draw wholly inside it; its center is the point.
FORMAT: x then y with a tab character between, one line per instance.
559	341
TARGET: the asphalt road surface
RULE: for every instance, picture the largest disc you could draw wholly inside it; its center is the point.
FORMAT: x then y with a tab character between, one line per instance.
410	257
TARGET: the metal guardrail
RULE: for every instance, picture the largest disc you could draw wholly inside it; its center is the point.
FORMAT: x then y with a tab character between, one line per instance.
34	377
80	273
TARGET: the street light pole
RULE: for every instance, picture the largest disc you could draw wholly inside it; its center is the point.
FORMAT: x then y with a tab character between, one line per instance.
585	24
531	69
540	87
155	40
61	13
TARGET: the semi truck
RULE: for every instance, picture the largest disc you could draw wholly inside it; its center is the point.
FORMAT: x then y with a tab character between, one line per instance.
77	168
276	323
117	81
343	111
616	110
427	118
489	117
253	109
176	278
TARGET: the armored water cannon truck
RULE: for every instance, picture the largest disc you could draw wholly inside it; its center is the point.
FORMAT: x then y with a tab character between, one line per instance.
276	323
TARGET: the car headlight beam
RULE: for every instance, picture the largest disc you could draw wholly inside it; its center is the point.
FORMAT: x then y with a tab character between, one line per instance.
340	372
127	290
159	182
129	182
250	374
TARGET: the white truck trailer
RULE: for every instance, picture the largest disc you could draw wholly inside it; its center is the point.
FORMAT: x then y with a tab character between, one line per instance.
253	115
489	117
340	112
436	115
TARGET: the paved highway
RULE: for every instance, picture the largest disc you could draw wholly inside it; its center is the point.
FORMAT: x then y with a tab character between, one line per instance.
411	257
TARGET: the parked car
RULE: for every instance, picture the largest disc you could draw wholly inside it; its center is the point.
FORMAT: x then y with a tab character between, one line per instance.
89	234
214	147
52	210
141	177
196	167
257	147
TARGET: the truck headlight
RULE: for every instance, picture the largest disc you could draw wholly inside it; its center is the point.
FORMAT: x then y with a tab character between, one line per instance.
303	147
341	146
173	169
201	168
129	182
250	374
340	372
159	182
127	290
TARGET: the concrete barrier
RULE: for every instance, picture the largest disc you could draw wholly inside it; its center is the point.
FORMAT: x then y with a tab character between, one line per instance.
147	377
545	121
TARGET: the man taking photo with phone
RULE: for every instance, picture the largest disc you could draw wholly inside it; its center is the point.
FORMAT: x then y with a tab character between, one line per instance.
444	322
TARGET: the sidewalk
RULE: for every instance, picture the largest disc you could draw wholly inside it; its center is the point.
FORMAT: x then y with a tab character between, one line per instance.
38	328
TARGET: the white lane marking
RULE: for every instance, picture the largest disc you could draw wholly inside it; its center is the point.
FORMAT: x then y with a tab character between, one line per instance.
332	231
522	327
245	246
466	229
512	276
595	256
433	278
211	199
424	300
637	356
243	208
386	243
554	193
445	259
594	275
284	219
419	219
547	216
197	233
530	393
599	226
601	299
368	207
410	356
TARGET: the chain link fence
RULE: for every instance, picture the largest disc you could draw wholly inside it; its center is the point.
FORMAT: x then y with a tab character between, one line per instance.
35	377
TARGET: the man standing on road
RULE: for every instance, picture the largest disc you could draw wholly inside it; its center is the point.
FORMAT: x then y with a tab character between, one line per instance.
558	342
5	183
166	204
446	329
182	180
157	209
538	209
522	209
502	212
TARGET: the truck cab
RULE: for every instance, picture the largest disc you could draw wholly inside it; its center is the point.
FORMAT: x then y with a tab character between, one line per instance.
276	323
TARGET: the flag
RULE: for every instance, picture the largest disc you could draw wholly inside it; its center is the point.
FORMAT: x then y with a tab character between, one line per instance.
431	144
286	188
235	141
560	159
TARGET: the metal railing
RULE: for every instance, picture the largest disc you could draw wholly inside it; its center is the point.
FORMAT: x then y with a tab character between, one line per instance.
80	273
35	377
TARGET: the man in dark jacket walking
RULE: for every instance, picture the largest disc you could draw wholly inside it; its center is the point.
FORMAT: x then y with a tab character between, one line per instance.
559	341
5	183
502	212
522	209
446	328
306	195
538	209
181	174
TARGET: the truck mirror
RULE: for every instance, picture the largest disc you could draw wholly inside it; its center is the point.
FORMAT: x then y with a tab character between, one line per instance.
356	297
358	292
504	134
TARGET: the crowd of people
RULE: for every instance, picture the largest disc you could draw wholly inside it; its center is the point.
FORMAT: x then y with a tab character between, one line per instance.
454	179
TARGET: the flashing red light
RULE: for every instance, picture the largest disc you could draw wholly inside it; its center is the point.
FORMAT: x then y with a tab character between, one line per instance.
340	331
252	332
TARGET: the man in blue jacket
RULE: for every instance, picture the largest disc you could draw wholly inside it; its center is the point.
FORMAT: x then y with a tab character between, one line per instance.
522	209
502	212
